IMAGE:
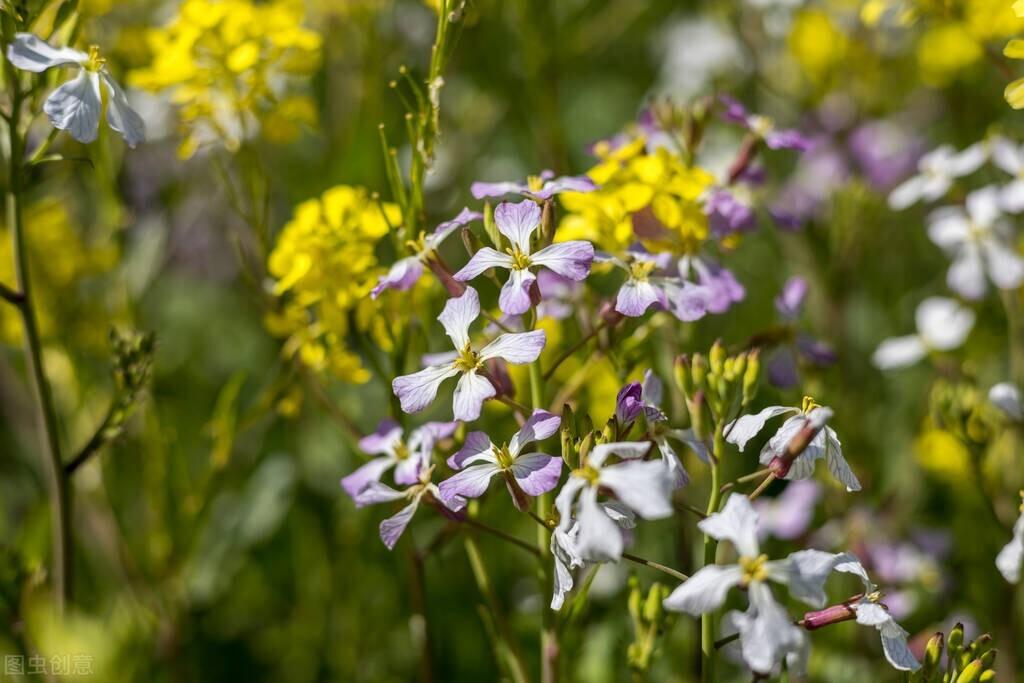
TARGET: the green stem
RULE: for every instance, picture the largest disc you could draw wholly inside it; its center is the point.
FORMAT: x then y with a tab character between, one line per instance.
674	573
707	621
59	491
1015	335
483	582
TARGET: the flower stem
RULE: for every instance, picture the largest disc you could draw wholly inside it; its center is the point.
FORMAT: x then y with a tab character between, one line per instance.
503	535
674	573
707	620
60	502
580	343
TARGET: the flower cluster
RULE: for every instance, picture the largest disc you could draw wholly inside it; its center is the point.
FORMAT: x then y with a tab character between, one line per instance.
231	67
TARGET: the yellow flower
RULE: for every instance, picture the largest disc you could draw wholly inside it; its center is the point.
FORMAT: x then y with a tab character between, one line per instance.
945	50
231	66
1014	92
324	267
635	185
817	44
942	454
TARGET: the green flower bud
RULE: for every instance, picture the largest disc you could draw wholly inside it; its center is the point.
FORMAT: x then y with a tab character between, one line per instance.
751	376
932	655
633	602
956	638
971	673
716	358
699	371
681	371
490	227
586	443
652	606
989	659
987	676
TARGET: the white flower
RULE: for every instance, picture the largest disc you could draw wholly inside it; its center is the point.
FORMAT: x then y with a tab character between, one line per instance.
1006	397
825	443
566	554
871	613
643	487
1010	157
1012	555
942	325
77	105
767	632
976	240
936	172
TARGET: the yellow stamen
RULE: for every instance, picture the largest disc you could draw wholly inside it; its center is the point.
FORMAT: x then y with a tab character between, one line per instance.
468	359
94	63
754	569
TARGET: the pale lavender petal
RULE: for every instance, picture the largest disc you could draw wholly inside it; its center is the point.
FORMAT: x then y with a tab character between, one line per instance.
537	473
791	300
685	300
516	348
403	274
418	390
458	314
481	190
483	260
445	229
375	492
477	447
727	215
734	110
515	295
439	358
371	471
788	139
407	471
431	432
635	297
471	482
471	392
392	528
580	183
383	440
517	222
568	259
539	426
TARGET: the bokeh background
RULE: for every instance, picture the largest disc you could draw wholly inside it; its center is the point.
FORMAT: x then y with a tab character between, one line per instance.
213	541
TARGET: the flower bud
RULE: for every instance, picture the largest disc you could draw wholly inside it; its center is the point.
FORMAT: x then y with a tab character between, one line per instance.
652	606
699	371
633	602
586	443
956	637
828	616
987	676
932	655
716	358
547	222
971	673
751	375
490	227
609	315
989	659
681	372
567	437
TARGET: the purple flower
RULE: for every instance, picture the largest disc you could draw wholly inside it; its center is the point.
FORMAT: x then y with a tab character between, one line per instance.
788	515
783	369
790	301
763	127
885	151
727	215
635	398
418	390
393	527
544	186
643	288
480	459
408	457
558	295
642	487
517	222
407	271
720	287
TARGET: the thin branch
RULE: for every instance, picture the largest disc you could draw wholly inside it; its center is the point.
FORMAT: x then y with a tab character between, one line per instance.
580	343
11	296
92	446
502	535
655	565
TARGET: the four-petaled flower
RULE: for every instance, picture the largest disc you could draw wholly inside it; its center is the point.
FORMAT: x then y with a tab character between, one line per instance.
544	186
974	238
479	460
636	398
518	222
77	105
936	172
767	632
870	612
825	443
763	127
393	527
405	272
942	325
641	486
408	456
645	286
418	390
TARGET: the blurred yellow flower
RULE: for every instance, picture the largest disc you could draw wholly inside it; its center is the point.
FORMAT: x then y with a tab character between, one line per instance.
632	181
324	267
231	66
942	454
817	44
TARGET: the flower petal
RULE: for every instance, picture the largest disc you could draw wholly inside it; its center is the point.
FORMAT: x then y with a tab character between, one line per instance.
458	314
1006	397
483	260
600	539
568	259
479	190
515	295
120	115
31	53
643	486
704	591
470	393
75	107
392	528
1005	266
635	297
374	493
737	523
516	348
805	572
537	473
1012	555
966	275
746	427
627	450
767	637
443	230
418	390
476	447
539	426
370	471
471	482
899	352
402	275
943	323
517	222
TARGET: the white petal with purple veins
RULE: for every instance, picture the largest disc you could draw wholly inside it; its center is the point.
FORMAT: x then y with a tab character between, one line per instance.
418	390
458	314
120	115
736	523
568	259
471	482
746	427
476	447
537	473
402	275
470	393
75	107
392	528
30	53
383	440
600	539
516	348
704	591
375	492
483	260
515	294
370	471
643	486
627	450
635	297
539	426
517	222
